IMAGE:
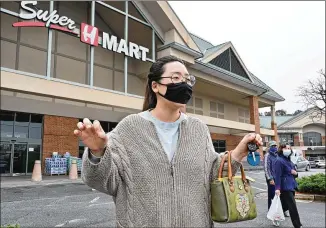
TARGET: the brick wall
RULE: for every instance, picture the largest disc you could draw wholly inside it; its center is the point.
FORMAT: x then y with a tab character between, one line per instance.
231	140
58	136
296	140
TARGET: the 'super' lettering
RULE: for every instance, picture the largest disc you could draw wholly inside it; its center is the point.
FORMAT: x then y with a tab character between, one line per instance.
29	13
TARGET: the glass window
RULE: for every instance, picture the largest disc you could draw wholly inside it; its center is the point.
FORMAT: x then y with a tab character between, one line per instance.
22	118
132	10
213	114
213	106
32	60
141	35
220	116
120	5
198	103
312	139
8	54
221	108
7	30
21	131
35	132
36	118
36	36
219	146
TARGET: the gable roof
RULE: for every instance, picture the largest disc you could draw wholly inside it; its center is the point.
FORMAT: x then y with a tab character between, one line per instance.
201	43
299	116
210	50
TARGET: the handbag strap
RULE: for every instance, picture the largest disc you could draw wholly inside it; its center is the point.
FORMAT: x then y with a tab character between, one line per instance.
230	176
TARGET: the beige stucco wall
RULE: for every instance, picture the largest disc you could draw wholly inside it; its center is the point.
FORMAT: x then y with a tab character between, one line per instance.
314	128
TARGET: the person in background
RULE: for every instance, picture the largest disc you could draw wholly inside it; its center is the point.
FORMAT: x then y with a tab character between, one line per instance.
269	159
285	183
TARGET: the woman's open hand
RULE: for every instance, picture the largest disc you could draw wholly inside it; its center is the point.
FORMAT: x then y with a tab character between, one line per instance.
92	135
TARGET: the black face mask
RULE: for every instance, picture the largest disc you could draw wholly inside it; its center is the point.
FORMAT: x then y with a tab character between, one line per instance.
178	93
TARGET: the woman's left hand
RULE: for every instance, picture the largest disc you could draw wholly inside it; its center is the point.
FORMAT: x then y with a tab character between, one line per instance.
294	172
241	150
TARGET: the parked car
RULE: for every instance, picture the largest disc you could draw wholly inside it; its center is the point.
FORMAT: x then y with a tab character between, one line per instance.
301	163
320	163
312	162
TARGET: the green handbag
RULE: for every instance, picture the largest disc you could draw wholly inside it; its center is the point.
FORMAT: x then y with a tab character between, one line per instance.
232	197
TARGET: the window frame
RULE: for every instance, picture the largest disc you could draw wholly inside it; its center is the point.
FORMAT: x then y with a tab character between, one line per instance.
193	106
244	119
219	114
220	149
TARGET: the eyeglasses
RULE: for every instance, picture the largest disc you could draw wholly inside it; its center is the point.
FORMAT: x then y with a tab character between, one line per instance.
177	78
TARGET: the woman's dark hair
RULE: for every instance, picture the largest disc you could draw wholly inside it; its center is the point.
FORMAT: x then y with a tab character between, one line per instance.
281	147
155	72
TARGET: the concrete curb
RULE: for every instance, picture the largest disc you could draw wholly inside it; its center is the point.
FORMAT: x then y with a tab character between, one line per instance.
253	168
32	184
300	196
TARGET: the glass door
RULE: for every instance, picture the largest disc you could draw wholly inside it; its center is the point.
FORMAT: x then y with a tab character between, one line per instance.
5	158
34	153
19	158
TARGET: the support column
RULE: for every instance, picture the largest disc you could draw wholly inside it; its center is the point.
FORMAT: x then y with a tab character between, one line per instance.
254	118
274	125
298	139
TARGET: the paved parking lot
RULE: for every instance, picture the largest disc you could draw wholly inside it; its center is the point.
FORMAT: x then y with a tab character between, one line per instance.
76	205
260	183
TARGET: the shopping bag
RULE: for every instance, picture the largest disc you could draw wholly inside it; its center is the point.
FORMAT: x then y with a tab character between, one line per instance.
275	212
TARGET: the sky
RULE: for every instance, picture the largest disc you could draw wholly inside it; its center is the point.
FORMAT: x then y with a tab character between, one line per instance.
282	43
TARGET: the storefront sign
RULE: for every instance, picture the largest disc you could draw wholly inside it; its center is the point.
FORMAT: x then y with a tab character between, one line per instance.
88	34
51	20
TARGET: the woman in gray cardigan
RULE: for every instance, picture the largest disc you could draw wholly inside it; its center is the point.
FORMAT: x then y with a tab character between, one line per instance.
157	164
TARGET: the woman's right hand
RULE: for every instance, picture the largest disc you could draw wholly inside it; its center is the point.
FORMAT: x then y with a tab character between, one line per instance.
277	192
92	135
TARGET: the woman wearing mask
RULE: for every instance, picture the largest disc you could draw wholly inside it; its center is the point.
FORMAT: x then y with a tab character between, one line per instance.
285	183
157	164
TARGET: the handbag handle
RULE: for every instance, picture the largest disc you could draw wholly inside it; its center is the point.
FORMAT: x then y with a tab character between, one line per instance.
230	177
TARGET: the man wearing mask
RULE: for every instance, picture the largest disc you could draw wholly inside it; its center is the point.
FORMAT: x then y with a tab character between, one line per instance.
269	160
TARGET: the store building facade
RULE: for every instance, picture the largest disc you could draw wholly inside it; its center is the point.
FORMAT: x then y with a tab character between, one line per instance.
305	132
63	61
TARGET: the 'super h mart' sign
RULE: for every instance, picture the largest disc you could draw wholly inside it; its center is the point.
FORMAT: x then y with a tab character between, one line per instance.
88	34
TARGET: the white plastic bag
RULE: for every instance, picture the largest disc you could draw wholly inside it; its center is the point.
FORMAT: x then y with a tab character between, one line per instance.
275	212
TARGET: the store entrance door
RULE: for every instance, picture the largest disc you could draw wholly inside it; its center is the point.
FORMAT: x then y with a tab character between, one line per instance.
19	158
13	158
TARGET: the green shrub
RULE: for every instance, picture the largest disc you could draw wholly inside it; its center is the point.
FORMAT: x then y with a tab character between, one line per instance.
314	184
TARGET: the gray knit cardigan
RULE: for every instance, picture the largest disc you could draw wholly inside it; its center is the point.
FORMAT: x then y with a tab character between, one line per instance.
148	190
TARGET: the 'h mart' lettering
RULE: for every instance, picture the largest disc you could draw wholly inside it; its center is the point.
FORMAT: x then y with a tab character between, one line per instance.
131	49
89	34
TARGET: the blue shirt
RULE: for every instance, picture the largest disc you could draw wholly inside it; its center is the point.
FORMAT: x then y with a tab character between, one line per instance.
168	132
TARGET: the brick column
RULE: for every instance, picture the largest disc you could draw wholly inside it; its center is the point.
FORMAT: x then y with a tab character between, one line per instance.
58	137
297	141
254	113
323	140
254	118
274	125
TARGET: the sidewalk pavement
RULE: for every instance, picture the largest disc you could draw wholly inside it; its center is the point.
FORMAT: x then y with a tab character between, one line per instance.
25	181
